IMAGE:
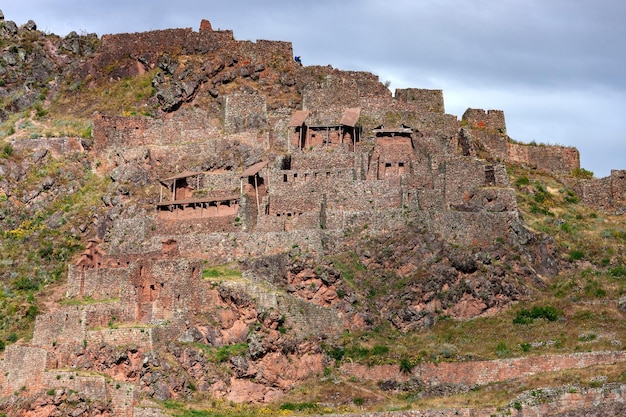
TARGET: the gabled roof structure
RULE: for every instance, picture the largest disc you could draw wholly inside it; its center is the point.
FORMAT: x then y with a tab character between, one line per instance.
350	116
253	169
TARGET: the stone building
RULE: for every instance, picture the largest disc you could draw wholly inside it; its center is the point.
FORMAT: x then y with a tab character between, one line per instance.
309	136
190	198
393	153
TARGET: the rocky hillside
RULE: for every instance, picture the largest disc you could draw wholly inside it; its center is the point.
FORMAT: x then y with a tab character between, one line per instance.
193	225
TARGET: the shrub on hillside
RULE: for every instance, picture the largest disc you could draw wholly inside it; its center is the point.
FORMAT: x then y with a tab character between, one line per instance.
582	173
549	313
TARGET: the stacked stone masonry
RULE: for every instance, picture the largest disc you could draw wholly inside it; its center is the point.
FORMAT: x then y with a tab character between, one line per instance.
607	193
312	185
485	372
489	128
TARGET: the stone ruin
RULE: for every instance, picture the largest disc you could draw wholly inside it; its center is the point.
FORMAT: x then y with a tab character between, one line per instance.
188	198
608	194
349	156
337	176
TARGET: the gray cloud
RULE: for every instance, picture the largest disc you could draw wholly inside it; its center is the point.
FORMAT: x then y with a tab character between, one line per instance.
555	67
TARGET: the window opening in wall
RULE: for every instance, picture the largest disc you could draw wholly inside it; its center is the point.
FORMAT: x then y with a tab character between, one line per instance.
387	164
284	177
328	174
490	176
401	164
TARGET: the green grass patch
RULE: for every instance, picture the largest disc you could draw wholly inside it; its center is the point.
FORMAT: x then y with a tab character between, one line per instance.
576	255
221	271
349	266
224	353
305	406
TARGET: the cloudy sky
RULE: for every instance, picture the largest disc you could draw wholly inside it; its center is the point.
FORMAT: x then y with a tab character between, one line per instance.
556	67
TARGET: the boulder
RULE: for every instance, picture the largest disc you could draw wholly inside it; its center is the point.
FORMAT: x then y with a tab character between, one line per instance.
30	26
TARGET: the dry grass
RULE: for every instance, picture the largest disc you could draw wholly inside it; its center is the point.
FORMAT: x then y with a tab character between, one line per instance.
128	97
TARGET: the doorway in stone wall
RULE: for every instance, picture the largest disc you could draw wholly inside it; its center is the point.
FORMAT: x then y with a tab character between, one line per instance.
181	190
257	182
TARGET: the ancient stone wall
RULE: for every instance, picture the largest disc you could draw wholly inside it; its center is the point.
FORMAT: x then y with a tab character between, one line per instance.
326	99
107	313
62	326
168	289
94	387
245	112
391	158
618	185
174	225
146	47
491	199
293	203
486	372
123	398
189	125
169	330
221	248
489	129
459	226
378	221
221	181
430	199
469	228
285	181
264	52
336	189
495	143
608	193
126	336
392	113
481	119
333	87
330	91
560	160
23	367
430	101
464	174
171	41
155	289
323	159
279	119
99	283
